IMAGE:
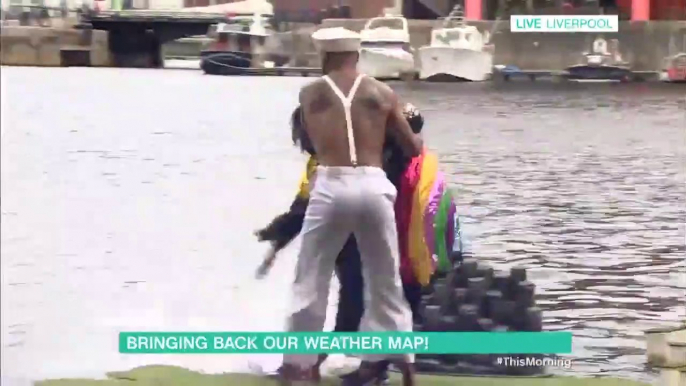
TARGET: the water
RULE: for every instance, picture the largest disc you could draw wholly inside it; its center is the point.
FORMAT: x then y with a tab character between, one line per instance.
129	198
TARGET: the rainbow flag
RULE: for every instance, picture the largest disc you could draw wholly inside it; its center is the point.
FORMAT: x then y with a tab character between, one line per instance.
426	216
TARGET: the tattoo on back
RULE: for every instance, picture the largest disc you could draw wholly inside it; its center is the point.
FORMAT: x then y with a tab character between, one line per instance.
370	102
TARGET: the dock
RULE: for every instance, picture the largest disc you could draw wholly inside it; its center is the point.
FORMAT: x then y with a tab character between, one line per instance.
286	71
562	76
274	71
531	75
295	71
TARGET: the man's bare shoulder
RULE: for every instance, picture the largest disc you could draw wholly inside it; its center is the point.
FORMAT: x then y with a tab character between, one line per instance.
312	91
314	97
311	86
381	88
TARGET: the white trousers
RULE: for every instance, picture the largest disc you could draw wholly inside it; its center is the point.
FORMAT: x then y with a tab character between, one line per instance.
345	200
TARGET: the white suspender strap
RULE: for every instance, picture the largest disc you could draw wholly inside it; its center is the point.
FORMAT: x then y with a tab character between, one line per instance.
347	108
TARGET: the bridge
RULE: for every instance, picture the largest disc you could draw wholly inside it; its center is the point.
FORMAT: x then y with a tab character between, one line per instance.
136	36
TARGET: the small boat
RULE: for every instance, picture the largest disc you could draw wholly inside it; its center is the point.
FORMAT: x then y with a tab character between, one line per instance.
386	51
239	47
675	69
457	52
601	64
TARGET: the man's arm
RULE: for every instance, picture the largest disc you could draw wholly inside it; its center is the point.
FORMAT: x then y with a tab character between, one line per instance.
398	127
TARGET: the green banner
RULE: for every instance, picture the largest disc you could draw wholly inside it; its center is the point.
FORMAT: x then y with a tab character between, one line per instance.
345	343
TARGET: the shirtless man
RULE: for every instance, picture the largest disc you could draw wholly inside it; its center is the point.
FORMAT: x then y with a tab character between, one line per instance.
347	118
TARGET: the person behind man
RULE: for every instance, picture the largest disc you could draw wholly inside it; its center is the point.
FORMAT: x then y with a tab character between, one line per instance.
351	196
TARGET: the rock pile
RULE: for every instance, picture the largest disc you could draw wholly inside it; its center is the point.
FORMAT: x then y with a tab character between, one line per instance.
475	298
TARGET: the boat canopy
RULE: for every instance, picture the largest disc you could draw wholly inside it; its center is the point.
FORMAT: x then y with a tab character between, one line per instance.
386	29
255	25
466	36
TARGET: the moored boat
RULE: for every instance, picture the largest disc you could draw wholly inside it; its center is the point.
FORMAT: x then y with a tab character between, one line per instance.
601	64
386	51
675	69
239	47
457	52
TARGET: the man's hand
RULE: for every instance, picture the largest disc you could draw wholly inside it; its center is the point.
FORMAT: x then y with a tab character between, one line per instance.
409	111
400	129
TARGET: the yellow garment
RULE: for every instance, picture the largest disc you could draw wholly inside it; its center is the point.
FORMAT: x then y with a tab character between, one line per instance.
310	169
419	252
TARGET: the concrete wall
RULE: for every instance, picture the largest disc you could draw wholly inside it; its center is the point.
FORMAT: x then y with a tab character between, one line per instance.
165	4
40	46
48	3
100	51
643	44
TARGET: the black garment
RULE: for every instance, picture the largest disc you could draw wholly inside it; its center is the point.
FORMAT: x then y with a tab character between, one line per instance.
285	227
351	293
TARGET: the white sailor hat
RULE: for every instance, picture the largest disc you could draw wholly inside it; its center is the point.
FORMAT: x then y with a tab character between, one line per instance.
336	39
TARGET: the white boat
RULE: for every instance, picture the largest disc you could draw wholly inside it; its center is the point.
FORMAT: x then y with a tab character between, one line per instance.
603	63
386	51
457	51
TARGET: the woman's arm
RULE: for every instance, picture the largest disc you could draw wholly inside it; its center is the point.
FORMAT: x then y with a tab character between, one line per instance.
285	227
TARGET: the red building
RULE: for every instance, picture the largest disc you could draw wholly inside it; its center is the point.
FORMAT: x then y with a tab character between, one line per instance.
636	10
654	9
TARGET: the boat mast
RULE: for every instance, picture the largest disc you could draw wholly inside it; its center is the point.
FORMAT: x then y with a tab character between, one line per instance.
456	16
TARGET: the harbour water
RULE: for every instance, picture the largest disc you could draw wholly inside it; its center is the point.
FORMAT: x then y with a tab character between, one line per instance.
129	198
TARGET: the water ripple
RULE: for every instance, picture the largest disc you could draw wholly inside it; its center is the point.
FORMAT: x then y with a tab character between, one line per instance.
592	201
